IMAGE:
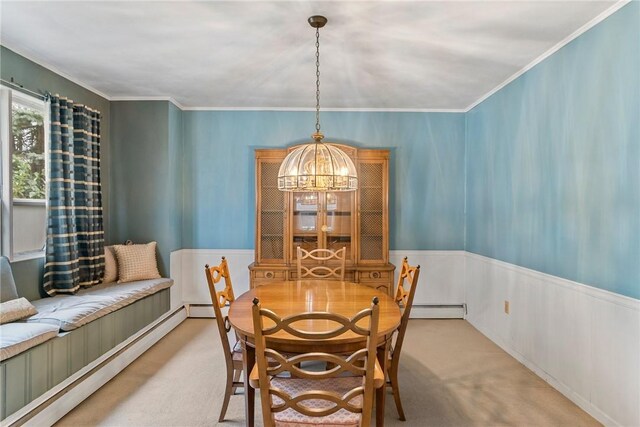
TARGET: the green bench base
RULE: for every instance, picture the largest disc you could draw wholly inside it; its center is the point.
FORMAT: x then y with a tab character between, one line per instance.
28	375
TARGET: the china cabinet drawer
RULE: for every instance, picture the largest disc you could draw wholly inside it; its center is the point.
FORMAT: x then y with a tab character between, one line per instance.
374	275
273	275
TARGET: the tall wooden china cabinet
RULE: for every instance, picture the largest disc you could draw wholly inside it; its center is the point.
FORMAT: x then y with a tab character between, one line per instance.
357	220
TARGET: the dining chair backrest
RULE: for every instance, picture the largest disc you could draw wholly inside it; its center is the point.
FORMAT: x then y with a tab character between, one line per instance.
321	271
406	290
272	363
219	300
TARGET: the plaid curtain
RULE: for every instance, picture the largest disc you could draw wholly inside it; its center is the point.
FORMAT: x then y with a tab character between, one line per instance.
75	234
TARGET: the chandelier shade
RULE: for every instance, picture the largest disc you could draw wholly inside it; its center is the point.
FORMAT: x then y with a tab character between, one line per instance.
317	166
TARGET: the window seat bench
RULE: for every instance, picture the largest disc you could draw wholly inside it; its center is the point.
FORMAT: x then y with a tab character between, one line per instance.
71	331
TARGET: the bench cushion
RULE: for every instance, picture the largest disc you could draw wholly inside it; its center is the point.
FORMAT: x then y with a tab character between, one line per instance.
17	337
126	293
70	312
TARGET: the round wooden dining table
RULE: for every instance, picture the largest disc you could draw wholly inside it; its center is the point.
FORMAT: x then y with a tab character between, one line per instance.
295	297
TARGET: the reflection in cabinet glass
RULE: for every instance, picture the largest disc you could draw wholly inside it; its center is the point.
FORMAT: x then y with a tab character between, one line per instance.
322	221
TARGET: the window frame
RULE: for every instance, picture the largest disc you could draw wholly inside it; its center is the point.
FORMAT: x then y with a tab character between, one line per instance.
7	202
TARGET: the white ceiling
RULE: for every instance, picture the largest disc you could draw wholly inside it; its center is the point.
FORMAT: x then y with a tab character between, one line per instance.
416	55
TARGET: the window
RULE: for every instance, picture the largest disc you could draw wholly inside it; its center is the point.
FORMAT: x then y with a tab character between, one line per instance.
24	133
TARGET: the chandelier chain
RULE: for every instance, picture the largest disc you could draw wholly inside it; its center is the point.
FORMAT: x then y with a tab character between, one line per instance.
318	80
316	166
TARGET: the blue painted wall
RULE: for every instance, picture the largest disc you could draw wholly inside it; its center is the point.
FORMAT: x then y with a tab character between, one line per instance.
553	171
426	171
146	179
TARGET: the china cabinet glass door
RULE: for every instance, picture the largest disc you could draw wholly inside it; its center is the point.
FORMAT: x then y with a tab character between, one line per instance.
322	220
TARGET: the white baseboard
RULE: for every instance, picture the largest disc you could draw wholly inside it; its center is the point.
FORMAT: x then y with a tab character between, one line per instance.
583	341
441	284
437	312
201	311
66	396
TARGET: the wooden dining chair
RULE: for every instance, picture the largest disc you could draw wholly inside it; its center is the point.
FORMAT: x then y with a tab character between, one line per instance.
407	283
321	271
232	357
292	395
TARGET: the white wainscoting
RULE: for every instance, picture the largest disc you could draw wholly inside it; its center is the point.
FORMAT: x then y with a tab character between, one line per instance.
584	341
441	292
187	270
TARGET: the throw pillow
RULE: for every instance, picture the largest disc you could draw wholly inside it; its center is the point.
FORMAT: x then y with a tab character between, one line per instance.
137	262
8	290
110	265
16	309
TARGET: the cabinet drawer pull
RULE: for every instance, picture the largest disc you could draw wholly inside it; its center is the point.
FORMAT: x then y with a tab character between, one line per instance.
269	274
374	275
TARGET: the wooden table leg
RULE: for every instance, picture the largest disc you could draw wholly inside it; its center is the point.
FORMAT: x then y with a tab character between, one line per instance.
248	360
383	353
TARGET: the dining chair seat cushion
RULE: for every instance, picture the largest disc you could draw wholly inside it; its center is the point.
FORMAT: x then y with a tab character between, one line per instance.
294	386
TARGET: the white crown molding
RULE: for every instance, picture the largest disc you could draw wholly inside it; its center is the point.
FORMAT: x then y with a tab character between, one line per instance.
577	33
207	251
373	110
587	26
55	70
401	253
149	98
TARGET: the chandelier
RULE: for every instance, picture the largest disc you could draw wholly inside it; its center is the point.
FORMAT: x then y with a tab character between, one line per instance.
317	166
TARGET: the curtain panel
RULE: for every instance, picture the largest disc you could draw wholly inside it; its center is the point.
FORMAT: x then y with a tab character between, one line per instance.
75	233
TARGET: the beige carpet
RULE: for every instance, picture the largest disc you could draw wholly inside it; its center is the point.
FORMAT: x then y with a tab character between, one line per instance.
451	375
